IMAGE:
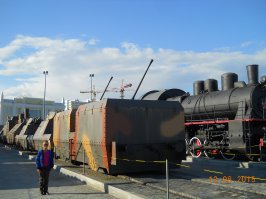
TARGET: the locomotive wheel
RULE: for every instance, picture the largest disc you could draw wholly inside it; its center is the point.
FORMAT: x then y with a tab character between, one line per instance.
209	153
227	154
195	142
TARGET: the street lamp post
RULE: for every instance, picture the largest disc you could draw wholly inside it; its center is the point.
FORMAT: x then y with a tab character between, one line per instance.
91	76
45	73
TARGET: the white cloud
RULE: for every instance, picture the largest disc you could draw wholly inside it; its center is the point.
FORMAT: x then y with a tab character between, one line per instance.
223	49
7	51
93	41
246	44
70	61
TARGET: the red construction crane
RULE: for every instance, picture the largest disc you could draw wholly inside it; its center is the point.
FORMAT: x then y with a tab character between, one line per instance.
122	89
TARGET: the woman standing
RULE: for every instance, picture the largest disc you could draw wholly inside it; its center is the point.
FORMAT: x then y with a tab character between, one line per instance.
44	163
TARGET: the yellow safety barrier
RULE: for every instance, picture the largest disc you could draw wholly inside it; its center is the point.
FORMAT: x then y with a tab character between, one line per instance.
216	172
261	179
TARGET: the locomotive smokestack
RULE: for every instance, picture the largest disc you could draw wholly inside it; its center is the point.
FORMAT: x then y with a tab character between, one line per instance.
198	87
210	85
253	74
228	80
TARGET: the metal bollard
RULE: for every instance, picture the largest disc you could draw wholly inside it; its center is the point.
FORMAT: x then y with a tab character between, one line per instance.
54	154
167	179
260	152
83	160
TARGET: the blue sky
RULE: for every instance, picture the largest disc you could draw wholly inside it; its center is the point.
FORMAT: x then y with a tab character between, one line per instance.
183	25
212	36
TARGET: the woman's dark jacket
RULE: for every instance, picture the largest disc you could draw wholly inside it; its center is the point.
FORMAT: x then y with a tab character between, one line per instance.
40	159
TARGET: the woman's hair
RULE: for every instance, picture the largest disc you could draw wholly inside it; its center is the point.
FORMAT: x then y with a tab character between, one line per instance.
46	142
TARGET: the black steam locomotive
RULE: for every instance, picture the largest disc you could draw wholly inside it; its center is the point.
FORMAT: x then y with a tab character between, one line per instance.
230	122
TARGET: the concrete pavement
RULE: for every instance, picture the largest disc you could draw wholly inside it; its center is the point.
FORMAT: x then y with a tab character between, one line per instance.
19	179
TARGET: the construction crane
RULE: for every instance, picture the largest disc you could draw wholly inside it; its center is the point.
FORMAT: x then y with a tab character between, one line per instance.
122	89
95	92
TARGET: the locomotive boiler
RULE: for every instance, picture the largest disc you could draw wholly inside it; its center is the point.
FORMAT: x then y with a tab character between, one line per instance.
230	121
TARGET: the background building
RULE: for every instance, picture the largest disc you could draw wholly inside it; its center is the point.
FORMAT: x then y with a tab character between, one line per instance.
11	107
72	104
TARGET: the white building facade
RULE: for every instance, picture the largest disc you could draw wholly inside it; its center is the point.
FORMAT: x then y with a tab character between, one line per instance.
12	107
72	104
